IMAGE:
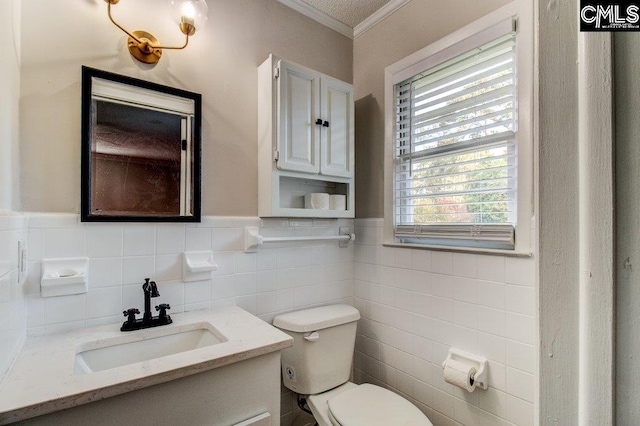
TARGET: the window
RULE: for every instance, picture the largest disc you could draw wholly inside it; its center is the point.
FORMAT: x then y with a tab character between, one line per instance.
460	164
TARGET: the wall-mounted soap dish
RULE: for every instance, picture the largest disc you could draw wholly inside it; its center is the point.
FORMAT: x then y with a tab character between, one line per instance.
198	265
61	277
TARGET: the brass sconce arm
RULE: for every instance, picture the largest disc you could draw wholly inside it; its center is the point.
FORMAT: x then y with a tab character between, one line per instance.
186	42
109	3
144	46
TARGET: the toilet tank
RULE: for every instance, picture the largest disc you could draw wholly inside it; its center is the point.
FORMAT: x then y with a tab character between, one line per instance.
322	352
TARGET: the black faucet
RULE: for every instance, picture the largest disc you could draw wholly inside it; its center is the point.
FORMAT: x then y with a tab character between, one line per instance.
150	290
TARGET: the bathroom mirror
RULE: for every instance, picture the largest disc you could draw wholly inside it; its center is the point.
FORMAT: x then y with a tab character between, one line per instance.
140	150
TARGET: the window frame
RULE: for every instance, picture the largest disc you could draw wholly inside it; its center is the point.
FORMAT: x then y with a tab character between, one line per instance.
440	51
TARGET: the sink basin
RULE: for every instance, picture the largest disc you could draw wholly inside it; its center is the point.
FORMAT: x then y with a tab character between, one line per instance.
143	345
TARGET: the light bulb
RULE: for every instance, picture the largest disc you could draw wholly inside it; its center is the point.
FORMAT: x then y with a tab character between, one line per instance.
189	14
188	10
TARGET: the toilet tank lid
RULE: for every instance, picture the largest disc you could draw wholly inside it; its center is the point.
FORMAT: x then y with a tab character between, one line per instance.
316	318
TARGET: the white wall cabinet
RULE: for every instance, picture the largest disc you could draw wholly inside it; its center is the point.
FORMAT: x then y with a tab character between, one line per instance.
305	139
336	108
298	147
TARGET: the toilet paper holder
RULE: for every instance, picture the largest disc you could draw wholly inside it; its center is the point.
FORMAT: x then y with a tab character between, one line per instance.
480	364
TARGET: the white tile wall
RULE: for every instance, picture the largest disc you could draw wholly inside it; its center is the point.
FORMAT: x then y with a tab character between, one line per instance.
277	278
415	304
13	321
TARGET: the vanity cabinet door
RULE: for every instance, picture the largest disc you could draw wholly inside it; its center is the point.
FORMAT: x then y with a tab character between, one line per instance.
298	107
337	150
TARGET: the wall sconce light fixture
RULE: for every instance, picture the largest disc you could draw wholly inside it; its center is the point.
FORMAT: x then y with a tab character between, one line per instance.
189	14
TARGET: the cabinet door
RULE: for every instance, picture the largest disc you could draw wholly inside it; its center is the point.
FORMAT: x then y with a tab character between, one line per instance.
298	106
337	151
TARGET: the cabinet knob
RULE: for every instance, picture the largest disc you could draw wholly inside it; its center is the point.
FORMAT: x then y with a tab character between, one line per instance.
325	124
319	121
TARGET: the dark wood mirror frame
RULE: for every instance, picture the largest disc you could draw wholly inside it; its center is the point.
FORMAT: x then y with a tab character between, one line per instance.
88	174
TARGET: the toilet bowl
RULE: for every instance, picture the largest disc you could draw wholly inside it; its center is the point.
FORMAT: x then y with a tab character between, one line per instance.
318	366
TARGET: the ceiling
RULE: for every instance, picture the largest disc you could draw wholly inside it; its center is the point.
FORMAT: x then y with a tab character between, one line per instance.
350	18
349	12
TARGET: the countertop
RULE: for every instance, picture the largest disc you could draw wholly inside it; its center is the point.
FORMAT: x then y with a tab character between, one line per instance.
42	380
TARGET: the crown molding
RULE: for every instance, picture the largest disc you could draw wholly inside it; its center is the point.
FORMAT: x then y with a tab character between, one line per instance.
324	19
378	16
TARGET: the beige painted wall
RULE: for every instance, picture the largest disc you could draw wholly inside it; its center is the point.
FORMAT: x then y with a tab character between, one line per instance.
220	62
10	90
414	26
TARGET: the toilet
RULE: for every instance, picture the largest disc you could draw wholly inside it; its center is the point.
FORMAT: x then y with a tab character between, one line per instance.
318	366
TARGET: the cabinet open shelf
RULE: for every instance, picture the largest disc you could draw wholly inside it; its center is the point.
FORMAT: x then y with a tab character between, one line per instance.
288	194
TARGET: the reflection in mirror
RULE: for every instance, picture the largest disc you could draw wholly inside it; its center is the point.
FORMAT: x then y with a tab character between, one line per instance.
137	161
141	156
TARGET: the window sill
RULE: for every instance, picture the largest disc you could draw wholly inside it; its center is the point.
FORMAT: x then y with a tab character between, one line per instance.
492	252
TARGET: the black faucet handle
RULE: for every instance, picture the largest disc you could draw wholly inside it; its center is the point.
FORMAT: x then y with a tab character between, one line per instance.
131	314
162	316
163	307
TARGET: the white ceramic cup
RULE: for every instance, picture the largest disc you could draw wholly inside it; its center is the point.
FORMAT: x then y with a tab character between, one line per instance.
317	201
337	202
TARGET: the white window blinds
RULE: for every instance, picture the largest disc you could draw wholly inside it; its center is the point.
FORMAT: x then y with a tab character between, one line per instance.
455	150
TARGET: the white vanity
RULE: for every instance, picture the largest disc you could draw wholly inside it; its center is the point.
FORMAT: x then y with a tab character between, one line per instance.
217	367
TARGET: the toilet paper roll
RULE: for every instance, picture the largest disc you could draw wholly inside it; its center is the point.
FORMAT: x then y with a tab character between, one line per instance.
337	202
460	374
317	200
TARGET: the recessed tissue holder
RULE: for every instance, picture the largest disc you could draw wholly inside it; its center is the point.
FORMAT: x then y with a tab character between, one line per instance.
198	265
476	364
61	277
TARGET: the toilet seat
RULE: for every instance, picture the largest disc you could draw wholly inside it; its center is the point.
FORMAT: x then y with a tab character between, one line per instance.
369	405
